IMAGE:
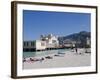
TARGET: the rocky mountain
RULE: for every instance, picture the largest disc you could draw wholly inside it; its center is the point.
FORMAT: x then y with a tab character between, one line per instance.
78	37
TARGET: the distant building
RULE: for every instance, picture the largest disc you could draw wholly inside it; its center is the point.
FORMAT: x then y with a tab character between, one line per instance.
28	45
88	41
51	40
69	43
45	41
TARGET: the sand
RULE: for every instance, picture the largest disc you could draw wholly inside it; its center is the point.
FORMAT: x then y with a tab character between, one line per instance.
70	59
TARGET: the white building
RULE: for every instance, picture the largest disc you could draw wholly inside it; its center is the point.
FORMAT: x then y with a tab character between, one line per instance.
51	41
69	43
46	41
40	45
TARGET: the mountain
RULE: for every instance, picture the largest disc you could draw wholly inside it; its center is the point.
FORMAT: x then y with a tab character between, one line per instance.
78	37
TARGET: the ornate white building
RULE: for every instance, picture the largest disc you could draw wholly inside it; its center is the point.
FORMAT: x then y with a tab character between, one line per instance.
45	41
50	40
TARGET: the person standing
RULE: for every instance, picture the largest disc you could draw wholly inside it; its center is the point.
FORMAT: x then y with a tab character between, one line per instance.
76	49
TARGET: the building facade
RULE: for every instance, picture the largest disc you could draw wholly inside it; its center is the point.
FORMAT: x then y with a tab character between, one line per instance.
50	40
45	42
88	42
40	45
69	43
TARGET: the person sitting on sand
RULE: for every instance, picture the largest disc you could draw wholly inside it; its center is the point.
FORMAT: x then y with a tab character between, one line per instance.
24	60
41	59
48	57
56	55
31	59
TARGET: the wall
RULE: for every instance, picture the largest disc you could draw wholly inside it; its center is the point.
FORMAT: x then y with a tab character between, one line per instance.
5	41
39	46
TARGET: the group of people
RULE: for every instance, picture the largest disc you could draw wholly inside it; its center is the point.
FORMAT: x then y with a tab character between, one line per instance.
37	59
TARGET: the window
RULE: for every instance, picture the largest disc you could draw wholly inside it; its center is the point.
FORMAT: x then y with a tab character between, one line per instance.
32	43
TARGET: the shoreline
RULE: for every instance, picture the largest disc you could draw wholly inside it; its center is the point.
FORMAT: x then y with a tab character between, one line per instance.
69	59
34	49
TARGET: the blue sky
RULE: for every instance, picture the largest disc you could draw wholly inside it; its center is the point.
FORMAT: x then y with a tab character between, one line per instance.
36	23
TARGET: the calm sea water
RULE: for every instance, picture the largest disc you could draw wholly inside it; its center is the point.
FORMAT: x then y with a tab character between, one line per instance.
42	53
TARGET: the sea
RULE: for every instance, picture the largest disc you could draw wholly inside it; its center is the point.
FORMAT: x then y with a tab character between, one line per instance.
42	53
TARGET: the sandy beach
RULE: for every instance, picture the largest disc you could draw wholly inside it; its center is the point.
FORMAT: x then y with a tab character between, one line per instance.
69	59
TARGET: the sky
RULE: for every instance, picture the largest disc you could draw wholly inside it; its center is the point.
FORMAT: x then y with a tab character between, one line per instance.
36	23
